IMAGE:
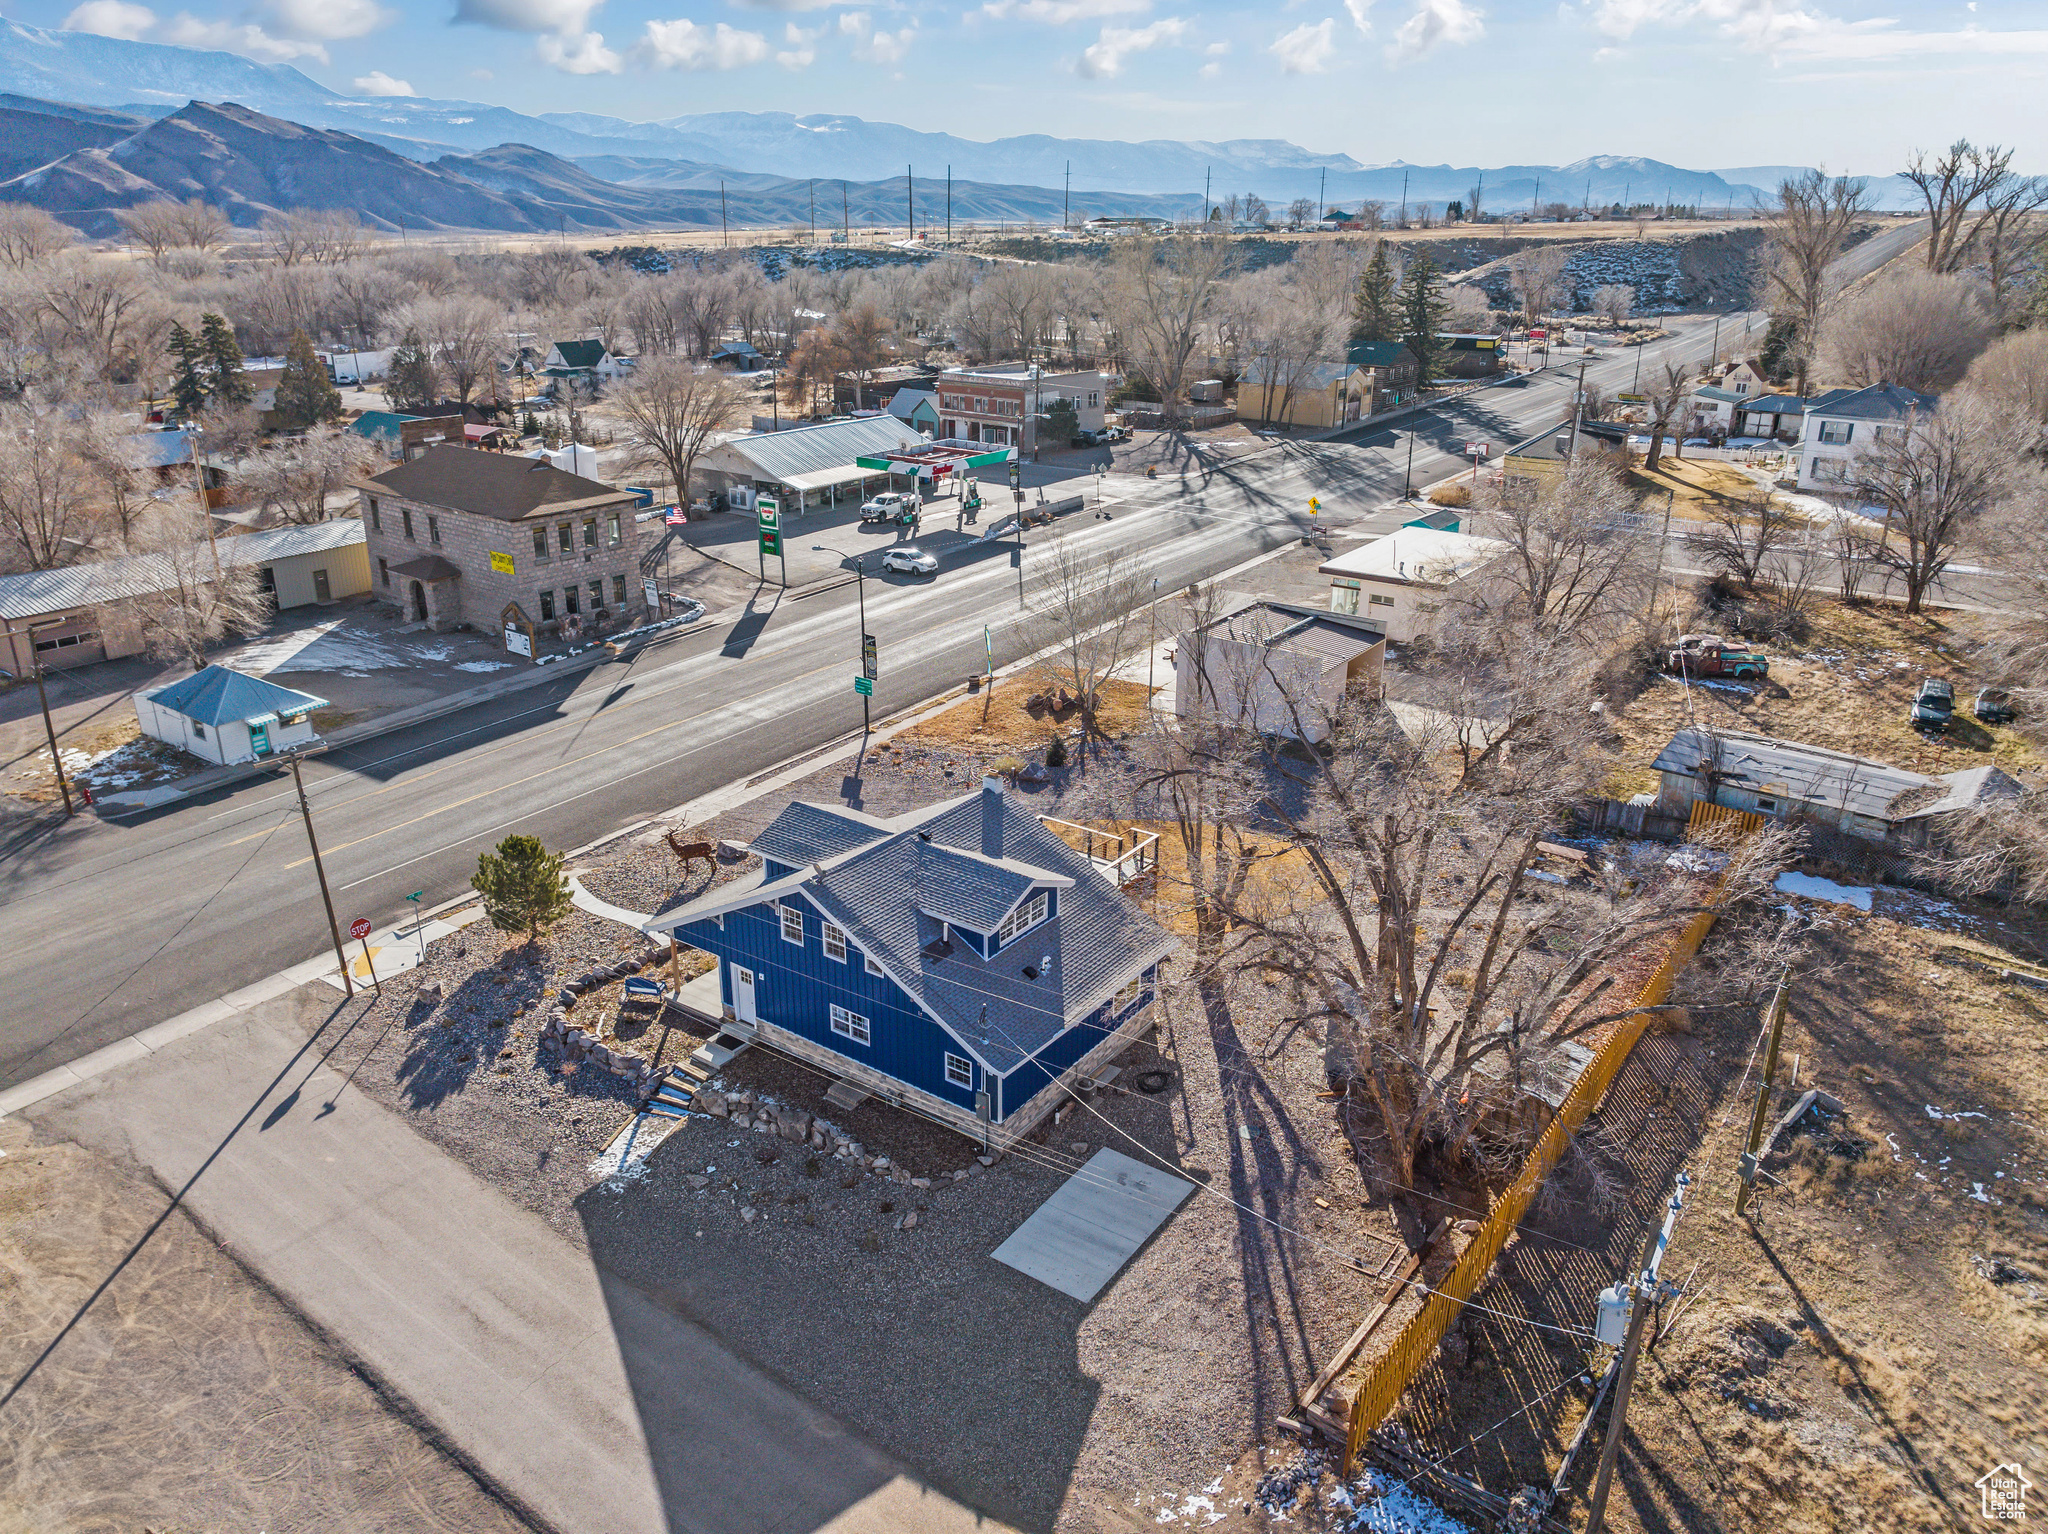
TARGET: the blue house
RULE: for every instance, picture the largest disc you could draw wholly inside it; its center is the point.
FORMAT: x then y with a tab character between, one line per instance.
959	960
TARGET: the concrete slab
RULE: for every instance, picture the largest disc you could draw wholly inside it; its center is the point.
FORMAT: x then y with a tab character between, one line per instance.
1081	1237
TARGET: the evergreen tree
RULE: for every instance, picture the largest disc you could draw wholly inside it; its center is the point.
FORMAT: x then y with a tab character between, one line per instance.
1375	313
411	384
522	887
305	395
1779	355
226	383
188	386
1422	316
530	427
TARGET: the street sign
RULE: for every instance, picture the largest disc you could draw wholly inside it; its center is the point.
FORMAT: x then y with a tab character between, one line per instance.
651	594
360	927
870	657
1016	474
864	687
1478	449
769	514
1315	506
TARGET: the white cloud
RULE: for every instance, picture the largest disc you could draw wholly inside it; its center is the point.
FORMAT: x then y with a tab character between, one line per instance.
1210	71
481	74
872	46
112	18
566	17
1104	58
786	5
1307	49
578	53
327	19
378	83
1060	13
683	44
800	46
1433	22
245	38
1361	14
1770	26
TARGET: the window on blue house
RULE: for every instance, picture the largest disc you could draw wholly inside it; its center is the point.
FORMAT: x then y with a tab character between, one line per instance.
835	943
959	1072
849	1025
1023	919
1127	995
872	967
792	924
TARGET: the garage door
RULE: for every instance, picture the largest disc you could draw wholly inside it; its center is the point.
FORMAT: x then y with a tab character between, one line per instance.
60	648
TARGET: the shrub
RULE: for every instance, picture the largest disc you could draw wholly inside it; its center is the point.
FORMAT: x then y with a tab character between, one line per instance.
1005	767
1056	752
1458	494
522	887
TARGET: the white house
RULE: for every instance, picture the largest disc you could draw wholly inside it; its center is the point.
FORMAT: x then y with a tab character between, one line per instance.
585	362
228	716
1396	584
1274	667
1844	424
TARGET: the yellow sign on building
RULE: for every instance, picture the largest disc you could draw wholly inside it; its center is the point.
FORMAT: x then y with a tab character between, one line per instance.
502	563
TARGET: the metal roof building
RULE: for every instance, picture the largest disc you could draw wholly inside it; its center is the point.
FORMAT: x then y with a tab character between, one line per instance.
807	462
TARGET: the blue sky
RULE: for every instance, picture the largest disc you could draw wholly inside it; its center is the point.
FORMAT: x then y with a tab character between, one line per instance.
1702	83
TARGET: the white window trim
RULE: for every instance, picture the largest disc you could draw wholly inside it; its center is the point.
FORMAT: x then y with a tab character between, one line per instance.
1015	927
966	1069
868	963
785	914
848	1024
834	936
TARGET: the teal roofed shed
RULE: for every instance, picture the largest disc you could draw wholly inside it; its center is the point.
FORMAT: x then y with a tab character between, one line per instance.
222	715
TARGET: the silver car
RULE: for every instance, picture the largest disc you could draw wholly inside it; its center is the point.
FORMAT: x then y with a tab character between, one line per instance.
910	562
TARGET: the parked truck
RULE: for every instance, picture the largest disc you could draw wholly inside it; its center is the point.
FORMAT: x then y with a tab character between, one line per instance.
1709	656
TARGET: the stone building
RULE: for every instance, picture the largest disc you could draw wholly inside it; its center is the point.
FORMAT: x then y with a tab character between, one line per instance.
460	536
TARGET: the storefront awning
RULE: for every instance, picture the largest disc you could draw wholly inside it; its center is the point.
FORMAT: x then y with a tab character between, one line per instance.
846	474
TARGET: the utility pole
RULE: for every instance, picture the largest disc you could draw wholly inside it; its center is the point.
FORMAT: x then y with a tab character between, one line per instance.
1402	222
1067	199
814	210
949	205
1205	194
845	218
909	207
867	667
1408	474
1578	412
1657	575
1322	186
1536	200
1779	1002
333	927
1646	1288
724	233
42	697
192	430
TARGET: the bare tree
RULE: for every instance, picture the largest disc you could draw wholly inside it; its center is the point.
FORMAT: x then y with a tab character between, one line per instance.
323	236
1166	293
866	343
29	235
1667	403
202	226
813	368
1538	277
1086	612
97	323
1912	328
1578	563
1809	223
1744	538
200	600
2008	239
1300	211
2013	370
298	476
669	411
2014	632
1614	302
1932	479
1952	185
465	336
46	486
117	464
157	226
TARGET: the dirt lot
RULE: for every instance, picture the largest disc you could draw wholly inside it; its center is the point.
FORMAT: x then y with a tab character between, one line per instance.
1695	484
1847	686
234	1417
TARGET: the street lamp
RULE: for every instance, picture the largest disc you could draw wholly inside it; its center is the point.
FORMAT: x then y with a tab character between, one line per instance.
860	588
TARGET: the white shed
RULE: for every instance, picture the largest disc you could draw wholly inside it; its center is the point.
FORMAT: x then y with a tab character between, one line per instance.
226	716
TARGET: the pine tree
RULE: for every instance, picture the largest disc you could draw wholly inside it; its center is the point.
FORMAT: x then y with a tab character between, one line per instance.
1422	316
411	384
226	382
1375	313
522	887
188	386
305	395
530	427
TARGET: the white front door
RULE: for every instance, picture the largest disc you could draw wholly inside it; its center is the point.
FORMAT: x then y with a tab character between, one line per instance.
743	995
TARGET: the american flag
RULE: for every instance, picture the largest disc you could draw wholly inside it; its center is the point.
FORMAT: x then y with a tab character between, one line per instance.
675	517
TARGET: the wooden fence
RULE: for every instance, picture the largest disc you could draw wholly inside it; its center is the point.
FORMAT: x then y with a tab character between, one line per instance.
1394	1369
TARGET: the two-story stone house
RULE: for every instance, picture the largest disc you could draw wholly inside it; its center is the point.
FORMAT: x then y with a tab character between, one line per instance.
458	536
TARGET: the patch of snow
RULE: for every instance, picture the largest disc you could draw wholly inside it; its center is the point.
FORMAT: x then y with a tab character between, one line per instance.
1935	1113
1813	888
483	665
1697	860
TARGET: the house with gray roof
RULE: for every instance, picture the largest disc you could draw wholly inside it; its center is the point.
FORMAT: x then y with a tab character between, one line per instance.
1843	424
806	467
1276	668
961	961
1786	780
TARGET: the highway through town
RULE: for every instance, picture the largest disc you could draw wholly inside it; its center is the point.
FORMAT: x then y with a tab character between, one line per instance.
114	925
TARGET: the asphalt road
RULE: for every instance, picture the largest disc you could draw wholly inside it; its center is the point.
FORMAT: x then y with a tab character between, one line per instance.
113	926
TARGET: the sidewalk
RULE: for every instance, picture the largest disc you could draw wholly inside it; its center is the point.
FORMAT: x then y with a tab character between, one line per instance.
571	1394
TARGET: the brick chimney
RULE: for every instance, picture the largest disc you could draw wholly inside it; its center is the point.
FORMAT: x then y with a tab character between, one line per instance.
992	817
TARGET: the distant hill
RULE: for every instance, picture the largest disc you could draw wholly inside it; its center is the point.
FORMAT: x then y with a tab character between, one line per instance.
33	133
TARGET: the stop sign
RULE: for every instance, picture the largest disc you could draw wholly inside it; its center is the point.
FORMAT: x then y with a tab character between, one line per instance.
360	927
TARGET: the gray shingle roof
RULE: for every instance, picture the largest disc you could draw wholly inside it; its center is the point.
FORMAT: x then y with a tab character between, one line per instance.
814	833
501	485
777	455
883	894
1879	402
47	591
1816	775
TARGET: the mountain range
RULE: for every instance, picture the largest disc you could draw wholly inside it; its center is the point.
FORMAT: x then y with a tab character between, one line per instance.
156	79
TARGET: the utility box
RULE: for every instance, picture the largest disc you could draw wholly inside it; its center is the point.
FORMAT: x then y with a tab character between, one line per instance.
1209	391
1610	1324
